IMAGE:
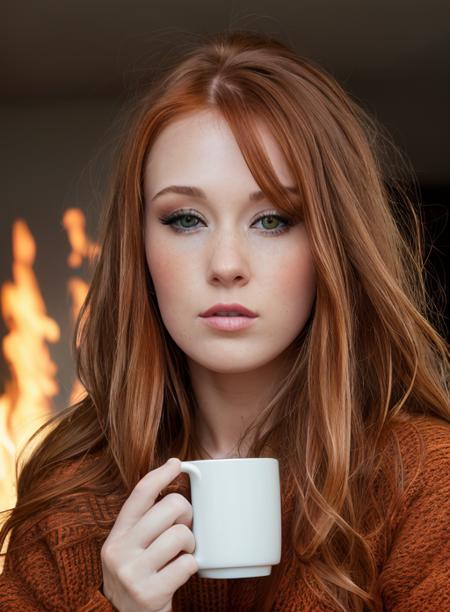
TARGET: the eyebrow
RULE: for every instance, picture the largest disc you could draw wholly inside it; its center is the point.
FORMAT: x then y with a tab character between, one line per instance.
196	192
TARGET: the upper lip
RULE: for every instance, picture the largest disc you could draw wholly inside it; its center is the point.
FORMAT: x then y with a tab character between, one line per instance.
228	308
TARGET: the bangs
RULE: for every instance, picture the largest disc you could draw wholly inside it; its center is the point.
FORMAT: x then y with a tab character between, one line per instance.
245	123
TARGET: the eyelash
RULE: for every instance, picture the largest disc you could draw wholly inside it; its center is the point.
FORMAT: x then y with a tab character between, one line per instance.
171	218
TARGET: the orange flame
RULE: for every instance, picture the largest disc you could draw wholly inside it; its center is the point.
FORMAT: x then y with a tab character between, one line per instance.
82	248
26	402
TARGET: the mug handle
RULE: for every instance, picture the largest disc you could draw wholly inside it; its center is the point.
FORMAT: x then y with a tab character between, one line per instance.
191	469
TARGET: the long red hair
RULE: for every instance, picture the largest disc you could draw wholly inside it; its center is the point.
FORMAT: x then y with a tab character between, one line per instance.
371	354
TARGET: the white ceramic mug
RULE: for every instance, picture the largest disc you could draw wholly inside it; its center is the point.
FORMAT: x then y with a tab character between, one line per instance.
236	522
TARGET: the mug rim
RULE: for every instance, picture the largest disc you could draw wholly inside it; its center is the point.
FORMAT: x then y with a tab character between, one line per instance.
230	459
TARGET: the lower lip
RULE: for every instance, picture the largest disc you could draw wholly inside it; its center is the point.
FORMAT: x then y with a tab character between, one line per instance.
229	323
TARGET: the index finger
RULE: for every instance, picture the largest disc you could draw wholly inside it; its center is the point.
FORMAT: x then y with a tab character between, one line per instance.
144	494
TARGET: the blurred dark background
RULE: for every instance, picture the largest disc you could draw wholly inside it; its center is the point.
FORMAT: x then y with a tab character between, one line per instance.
68	68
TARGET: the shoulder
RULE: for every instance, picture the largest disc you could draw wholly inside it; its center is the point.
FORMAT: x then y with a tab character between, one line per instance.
433	430
53	555
422	443
415	573
62	518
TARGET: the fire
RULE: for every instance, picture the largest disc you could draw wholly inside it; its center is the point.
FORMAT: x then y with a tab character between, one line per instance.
82	248
27	401
75	224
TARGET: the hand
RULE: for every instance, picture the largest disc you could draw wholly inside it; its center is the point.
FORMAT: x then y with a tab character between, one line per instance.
141	569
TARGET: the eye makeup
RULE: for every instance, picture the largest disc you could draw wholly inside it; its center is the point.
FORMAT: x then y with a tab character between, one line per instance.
172	218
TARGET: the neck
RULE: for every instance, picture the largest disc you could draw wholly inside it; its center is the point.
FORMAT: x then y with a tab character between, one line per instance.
228	403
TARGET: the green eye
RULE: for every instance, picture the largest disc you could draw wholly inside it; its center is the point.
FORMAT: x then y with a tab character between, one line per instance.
183	222
272	219
190	220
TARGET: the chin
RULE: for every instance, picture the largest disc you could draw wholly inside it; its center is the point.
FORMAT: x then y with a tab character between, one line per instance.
232	365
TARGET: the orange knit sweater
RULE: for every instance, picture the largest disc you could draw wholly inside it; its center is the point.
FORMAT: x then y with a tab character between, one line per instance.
60	568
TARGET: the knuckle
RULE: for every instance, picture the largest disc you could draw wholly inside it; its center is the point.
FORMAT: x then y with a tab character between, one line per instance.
125	577
182	534
178	502
141	487
107	554
190	564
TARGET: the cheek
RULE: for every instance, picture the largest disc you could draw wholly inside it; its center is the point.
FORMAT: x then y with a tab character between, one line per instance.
296	281
165	267
171	272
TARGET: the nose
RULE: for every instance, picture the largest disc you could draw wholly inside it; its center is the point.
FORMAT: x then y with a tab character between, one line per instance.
229	261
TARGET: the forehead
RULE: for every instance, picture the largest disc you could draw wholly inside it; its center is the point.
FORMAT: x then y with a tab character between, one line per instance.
201	147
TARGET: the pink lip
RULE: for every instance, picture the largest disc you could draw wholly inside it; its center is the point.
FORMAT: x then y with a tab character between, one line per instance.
228	308
229	323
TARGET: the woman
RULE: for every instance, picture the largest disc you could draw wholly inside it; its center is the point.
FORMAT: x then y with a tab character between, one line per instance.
247	178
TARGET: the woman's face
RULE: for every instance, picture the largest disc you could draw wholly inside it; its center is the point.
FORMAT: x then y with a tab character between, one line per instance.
223	247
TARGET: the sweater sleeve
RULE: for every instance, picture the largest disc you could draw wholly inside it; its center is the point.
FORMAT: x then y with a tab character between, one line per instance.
50	574
416	574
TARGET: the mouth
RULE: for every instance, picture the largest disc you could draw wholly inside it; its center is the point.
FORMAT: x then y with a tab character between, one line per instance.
228	310
229	323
